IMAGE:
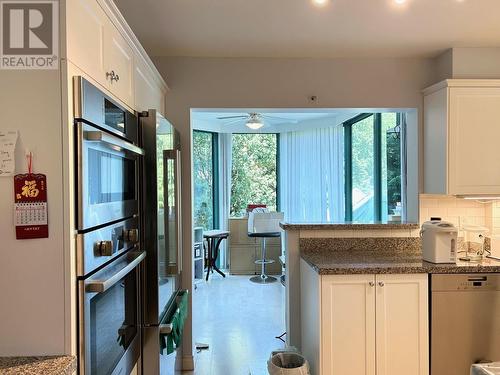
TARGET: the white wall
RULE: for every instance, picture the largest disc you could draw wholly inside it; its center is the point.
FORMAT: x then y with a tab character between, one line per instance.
282	83
468	63
32	277
476	62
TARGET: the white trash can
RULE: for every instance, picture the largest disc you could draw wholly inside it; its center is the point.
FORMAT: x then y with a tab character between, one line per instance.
287	363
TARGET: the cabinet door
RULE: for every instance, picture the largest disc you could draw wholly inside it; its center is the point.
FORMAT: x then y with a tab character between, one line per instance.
86	24
402	325
473	152
148	95
273	252
118	58
239	232
242	260
348	325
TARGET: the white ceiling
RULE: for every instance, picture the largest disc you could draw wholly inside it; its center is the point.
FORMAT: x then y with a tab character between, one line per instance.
289	120
296	28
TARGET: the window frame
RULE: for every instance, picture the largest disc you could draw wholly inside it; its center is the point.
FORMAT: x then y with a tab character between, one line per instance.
377	162
215	177
348	162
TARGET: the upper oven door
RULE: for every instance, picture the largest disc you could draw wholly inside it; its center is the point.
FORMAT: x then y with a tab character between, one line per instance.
107	180
92	105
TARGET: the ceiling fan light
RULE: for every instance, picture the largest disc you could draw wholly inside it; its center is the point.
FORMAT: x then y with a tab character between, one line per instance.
254	125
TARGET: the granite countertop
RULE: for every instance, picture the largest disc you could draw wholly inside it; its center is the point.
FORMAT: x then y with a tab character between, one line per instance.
348	225
340	263
46	365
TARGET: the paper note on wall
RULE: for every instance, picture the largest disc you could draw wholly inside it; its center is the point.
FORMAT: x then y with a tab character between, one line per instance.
8	141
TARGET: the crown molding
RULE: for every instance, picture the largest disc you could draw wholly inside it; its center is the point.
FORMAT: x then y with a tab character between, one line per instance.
461	83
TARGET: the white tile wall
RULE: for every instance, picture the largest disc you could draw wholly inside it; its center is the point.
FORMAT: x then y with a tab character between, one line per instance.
458	211
493	221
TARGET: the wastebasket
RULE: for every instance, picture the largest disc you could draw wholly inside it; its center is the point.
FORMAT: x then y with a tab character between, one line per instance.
287	363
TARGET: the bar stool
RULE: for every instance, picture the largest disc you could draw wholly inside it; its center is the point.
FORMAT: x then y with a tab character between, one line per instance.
263	224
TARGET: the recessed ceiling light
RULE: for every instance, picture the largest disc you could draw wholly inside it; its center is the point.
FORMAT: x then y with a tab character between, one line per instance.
400	2
320	3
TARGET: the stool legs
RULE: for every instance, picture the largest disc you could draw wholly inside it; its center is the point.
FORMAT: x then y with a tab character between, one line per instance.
263	278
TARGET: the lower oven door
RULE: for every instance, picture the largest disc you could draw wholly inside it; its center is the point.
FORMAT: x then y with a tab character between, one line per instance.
109	336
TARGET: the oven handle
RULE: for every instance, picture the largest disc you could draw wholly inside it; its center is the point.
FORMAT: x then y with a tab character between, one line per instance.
100	286
111	141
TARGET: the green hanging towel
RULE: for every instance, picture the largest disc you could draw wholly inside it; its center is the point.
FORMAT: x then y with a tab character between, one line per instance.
173	340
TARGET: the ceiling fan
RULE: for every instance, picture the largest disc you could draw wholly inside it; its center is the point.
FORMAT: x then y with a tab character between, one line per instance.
254	120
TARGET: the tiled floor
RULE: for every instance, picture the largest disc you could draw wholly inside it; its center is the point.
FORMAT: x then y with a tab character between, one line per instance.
239	320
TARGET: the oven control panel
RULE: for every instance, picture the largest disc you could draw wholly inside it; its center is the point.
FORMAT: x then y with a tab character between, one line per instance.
101	245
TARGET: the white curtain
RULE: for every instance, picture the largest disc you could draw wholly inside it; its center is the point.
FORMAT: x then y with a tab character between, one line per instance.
312	175
225	167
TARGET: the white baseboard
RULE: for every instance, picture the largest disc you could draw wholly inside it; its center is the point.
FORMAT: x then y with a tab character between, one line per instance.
187	363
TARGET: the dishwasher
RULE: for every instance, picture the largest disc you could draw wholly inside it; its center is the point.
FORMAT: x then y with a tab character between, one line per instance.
465	322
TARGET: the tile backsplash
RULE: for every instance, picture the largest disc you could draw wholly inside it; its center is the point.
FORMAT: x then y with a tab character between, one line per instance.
461	211
456	210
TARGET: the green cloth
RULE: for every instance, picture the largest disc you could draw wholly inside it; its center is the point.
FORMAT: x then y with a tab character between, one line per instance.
173	340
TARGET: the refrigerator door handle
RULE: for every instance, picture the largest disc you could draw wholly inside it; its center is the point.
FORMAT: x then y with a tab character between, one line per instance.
174	266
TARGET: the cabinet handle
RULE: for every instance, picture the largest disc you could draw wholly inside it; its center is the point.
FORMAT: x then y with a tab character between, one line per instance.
381	283
112	76
371	283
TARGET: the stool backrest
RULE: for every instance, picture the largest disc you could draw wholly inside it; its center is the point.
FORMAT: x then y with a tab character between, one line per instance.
264	222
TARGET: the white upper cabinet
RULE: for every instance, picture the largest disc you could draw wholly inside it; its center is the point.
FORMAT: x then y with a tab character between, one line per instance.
86	24
119	63
148	93
101	44
461	133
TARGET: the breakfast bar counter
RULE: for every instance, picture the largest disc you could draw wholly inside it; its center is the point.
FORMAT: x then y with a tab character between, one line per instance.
348	225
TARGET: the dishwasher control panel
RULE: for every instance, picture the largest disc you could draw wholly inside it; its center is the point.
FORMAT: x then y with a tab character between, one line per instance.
465	282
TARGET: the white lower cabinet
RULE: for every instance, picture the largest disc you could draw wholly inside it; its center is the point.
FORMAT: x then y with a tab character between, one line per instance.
348	325
368	324
402	328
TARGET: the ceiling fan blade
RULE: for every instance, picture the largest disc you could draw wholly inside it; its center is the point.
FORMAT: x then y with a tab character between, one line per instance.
230	117
234	121
293	121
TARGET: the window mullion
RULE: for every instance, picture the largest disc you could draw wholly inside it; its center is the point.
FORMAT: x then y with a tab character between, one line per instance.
377	165
215	181
348	171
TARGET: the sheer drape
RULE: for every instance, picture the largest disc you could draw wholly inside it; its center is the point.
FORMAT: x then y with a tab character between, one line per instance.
312	175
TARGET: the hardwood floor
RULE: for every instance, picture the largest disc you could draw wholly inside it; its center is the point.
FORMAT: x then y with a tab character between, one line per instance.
239	320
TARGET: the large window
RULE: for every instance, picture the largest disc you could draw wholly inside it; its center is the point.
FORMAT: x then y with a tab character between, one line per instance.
372	162
254	172
205	176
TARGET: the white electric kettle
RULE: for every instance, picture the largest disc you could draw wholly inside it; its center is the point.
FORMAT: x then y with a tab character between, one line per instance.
439	241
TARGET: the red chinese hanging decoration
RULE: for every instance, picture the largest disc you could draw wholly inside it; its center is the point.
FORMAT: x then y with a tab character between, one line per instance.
30	207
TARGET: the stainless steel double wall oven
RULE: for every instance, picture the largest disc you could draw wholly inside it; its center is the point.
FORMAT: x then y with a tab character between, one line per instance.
109	256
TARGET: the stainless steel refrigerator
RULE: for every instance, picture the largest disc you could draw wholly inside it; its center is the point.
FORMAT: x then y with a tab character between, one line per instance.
161	220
